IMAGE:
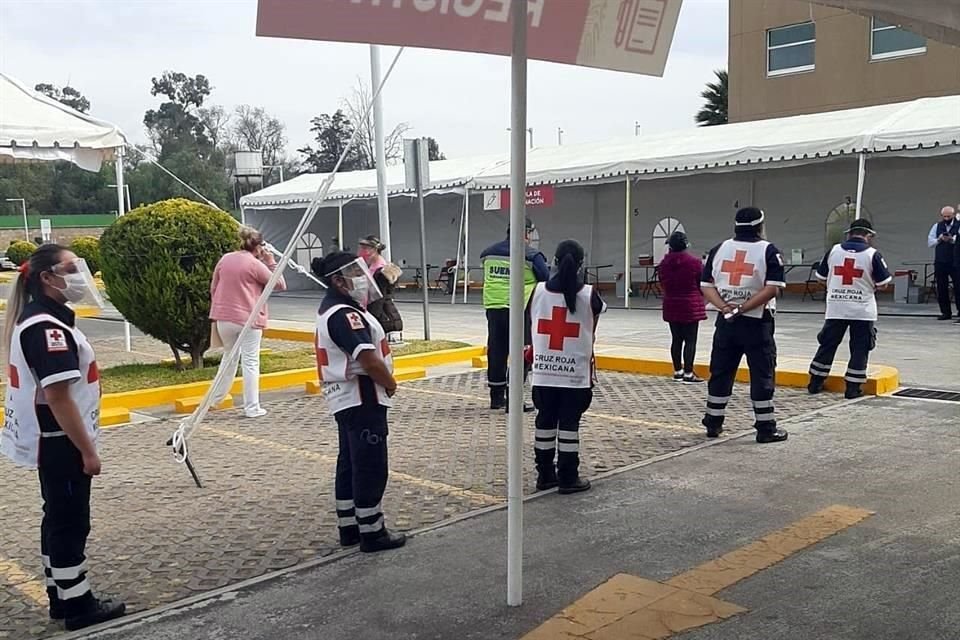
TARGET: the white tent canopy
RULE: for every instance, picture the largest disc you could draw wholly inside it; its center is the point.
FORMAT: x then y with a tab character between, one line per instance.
36	128
924	127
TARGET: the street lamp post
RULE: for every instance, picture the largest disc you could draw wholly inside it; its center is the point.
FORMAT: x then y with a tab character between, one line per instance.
23	207
530	131
560	136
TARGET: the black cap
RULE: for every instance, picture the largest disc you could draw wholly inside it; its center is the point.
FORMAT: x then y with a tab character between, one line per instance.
678	241
331	263
528	225
862	225
749	217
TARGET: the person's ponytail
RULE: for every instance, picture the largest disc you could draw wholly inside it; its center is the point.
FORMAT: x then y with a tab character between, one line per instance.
16	301
568	277
26	286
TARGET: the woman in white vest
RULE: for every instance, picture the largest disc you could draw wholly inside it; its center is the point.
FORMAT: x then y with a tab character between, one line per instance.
563	319
52	421
356	370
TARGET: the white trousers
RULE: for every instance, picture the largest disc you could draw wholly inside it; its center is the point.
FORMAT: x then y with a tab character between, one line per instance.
249	363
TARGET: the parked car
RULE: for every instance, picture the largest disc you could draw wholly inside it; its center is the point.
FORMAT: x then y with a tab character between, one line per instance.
5	263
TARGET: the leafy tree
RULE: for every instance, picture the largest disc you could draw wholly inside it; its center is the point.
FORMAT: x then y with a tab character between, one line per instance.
714	111
255	129
67	95
157	263
177	122
433	150
355	107
332	134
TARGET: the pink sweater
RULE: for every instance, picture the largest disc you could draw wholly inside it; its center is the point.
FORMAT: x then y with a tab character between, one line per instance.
238	281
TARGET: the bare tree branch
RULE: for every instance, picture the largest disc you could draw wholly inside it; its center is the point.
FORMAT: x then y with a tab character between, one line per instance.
354	107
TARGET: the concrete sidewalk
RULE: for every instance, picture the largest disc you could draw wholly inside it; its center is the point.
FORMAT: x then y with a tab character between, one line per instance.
892	576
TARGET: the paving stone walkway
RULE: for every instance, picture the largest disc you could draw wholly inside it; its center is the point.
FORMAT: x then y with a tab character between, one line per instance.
267	500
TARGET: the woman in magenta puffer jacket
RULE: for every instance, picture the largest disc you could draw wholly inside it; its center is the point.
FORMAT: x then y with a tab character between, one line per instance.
683	306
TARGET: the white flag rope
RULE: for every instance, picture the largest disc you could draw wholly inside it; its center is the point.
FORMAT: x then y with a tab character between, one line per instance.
221	383
290	263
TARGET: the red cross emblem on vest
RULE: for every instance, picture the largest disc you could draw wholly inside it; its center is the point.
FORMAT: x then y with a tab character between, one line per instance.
322	360
558	328
848	271
737	268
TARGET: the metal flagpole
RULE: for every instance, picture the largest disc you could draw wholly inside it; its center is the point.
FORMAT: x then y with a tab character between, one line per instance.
518	179
466	241
340	224
861	176
424	271
383	204
121	209
626	250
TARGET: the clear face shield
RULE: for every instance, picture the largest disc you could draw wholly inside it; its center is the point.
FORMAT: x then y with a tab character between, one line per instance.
80	286
359	282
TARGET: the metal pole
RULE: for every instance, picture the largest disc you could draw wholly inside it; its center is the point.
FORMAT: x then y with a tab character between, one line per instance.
560	136
26	225
340	224
423	245
281	172
518	179
456	266
466	241
861	176
121	193
383	204
626	250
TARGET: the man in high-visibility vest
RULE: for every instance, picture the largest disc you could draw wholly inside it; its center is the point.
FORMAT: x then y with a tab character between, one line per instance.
496	301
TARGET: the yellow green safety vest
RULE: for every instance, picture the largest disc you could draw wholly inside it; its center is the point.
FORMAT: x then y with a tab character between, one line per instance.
496	282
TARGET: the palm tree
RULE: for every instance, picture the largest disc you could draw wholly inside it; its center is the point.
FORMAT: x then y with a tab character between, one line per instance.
715	109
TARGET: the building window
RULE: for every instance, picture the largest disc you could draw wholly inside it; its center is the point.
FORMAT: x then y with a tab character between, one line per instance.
791	49
840	219
662	233
308	248
892	41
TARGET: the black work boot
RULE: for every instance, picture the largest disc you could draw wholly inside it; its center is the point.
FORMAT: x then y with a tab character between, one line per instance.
815	385
349	536
384	542
57	611
854	390
99	611
771	434
714	426
576	485
527	407
498	398
546	478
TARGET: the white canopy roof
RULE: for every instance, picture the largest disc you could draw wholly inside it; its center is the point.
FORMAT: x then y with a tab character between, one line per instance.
928	126
34	128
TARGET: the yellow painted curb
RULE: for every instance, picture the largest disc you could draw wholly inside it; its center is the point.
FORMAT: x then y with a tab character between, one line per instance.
881	379
263	352
435	358
293	335
111	417
189	405
479	362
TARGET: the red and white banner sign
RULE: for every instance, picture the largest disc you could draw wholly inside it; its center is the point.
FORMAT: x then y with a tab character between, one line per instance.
626	35
536	197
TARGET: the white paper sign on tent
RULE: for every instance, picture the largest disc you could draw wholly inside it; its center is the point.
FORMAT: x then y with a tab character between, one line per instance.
492	200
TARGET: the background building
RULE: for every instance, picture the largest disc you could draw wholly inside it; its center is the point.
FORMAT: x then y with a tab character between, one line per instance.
790	57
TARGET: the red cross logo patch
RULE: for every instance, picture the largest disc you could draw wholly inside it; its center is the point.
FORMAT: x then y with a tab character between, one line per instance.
56	341
737	268
848	271
558	328
322	360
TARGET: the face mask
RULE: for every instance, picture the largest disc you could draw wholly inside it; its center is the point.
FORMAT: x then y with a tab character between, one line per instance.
358	290
76	289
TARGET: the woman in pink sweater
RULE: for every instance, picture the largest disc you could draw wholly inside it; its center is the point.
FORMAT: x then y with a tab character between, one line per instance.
238	281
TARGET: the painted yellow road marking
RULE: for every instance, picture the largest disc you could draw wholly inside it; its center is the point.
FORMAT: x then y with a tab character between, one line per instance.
630	608
603	416
23	581
439	487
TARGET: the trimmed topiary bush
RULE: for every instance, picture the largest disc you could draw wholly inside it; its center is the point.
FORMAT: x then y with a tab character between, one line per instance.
157	262
20	251
88	248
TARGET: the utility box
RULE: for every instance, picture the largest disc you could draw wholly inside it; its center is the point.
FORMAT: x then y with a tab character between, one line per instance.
904	289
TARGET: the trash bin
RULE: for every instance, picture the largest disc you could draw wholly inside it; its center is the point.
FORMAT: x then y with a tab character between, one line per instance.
903	286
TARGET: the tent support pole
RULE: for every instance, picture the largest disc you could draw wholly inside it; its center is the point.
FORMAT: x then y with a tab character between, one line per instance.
626	248
861	176
456	265
518	180
381	154
340	224
121	209
466	241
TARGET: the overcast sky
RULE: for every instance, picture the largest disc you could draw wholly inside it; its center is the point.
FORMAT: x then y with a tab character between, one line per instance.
109	50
